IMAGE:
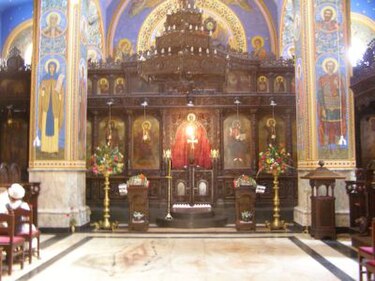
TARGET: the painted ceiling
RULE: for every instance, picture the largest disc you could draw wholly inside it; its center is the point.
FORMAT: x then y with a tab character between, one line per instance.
365	7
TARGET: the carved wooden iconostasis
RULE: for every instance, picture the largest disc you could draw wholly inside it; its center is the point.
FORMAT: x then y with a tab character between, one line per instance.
239	133
14	114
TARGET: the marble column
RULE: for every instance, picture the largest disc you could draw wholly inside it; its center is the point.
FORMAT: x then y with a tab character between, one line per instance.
58	112
325	119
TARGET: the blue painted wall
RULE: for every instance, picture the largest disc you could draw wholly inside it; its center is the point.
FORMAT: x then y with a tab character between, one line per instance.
11	17
364	7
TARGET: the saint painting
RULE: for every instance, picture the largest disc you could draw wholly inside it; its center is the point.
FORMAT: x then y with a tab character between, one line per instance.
279	86
146	143
51	107
259	51
262	84
191	145
53	28
236	142
331	106
103	86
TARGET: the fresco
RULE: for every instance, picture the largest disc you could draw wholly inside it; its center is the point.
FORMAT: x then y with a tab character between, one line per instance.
287	30
21	42
81	109
49	131
332	101
94	33
362	32
146	18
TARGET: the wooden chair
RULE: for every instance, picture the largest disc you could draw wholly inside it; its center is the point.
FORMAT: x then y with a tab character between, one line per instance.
370	267
1	262
366	253
12	245
29	233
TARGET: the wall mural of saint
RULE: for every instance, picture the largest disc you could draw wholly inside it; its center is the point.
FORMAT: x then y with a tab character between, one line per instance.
258	51
51	107
237	136
54	24
331	107
145	144
191	144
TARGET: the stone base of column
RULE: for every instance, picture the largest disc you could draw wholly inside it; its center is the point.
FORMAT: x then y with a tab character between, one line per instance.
302	216
62	198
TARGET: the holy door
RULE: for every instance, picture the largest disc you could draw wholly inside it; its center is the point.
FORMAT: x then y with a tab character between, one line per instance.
191	163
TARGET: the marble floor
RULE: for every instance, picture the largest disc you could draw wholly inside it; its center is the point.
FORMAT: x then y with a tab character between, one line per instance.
180	254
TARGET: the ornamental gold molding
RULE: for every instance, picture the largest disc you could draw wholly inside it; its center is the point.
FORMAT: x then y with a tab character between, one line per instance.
330	164
214	7
57	165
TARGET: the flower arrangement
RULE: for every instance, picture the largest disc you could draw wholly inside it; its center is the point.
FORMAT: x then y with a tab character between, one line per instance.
107	160
140	180
138	216
246	215
244	180
275	160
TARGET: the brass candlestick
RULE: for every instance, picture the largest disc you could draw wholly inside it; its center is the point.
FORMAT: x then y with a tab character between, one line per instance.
105	223
167	156
276	222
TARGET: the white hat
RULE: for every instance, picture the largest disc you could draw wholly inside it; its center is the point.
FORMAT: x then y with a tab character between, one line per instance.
16	191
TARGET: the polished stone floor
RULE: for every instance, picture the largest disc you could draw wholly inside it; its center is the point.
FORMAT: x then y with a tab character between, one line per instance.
194	254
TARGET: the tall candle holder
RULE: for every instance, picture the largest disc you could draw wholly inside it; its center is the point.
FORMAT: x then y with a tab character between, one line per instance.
167	154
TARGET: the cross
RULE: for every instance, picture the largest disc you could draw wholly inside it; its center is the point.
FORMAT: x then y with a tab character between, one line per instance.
192	141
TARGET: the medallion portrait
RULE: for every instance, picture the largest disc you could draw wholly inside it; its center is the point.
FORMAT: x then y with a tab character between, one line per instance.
53	24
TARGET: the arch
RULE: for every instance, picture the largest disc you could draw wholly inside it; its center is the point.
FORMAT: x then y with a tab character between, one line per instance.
14	34
101	27
362	32
270	24
283	26
113	25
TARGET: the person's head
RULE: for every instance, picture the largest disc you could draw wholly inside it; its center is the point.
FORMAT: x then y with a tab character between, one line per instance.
53	20
327	14
146	125
16	192
330	66
52	67
257	43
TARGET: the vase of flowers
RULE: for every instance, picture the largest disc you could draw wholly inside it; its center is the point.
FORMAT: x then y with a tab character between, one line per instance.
138	180
275	160
106	161
244	180
246	216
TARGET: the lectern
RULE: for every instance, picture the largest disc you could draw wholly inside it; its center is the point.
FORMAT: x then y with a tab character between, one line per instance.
323	223
245	208
138	208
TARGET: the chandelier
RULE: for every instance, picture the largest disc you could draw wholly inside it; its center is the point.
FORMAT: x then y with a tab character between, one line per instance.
184	57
